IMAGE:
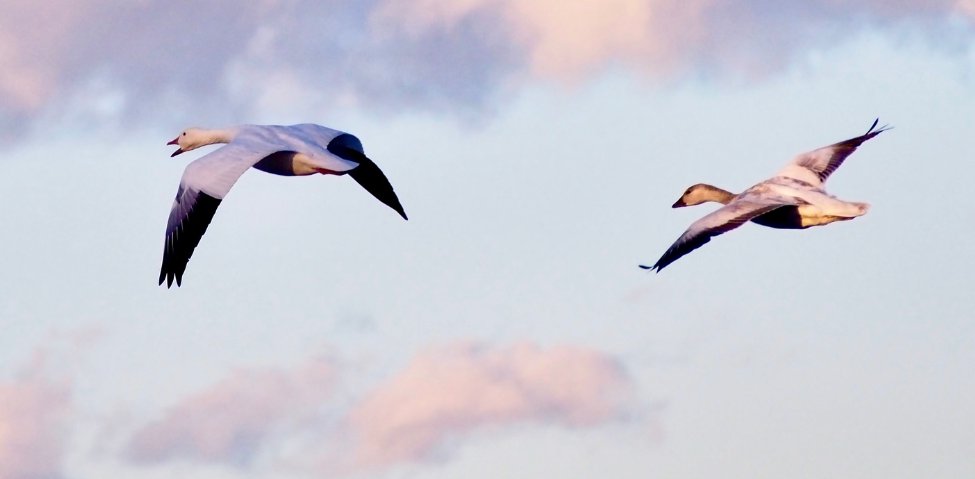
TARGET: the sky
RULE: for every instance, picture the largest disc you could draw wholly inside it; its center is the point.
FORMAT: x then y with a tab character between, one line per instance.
505	329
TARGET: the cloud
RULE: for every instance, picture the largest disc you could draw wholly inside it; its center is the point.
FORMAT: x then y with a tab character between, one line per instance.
451	391
661	38
230	421
223	60
566	39
297	419
226	61
33	410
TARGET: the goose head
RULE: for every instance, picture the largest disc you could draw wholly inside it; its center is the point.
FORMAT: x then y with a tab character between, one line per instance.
190	139
702	193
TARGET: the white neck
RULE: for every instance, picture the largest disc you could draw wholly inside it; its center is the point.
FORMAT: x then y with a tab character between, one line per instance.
219	135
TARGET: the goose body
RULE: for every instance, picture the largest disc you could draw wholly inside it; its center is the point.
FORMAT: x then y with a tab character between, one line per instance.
295	150
795	198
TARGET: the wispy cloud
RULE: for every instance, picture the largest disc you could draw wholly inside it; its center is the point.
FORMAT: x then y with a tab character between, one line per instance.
451	391
33	412
300	418
231	420
226	60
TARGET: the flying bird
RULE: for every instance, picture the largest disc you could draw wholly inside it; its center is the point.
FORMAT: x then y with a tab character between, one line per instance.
295	150
794	198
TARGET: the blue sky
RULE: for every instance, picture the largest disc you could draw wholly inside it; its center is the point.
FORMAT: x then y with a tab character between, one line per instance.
505	330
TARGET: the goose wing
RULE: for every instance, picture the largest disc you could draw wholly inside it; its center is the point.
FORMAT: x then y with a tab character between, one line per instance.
814	167
725	219
367	174
203	186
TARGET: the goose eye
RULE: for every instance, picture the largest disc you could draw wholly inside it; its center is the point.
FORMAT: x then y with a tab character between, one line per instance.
184	133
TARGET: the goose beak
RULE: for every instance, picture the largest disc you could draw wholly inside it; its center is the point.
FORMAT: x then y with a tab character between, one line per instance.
175	141
679	203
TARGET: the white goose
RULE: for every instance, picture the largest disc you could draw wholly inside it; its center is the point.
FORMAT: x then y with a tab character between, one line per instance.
793	199
294	150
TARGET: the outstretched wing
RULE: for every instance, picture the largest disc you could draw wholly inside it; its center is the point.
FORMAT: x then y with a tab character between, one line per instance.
367	174
727	218
814	167
203	186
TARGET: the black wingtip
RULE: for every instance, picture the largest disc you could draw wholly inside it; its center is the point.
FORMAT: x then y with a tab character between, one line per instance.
367	174
372	179
398	208
656	268
165	277
874	131
183	238
874	125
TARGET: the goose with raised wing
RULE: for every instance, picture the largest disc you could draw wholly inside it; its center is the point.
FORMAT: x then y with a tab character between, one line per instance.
295	150
795	198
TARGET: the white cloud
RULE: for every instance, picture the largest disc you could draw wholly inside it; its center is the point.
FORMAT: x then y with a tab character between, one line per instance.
451	391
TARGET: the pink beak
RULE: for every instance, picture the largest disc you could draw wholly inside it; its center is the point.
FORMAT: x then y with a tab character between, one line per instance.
175	141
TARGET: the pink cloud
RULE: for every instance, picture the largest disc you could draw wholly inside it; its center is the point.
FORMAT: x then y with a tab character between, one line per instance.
967	7
221	61
447	392
33	411
229	421
30	39
574	40
571	39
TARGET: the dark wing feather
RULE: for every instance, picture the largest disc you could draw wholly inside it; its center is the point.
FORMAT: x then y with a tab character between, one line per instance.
188	220
205	182
367	174
701	231
824	161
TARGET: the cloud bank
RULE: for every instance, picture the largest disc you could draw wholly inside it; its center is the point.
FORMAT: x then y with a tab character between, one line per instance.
223	59
443	393
448	392
33	411
231	420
